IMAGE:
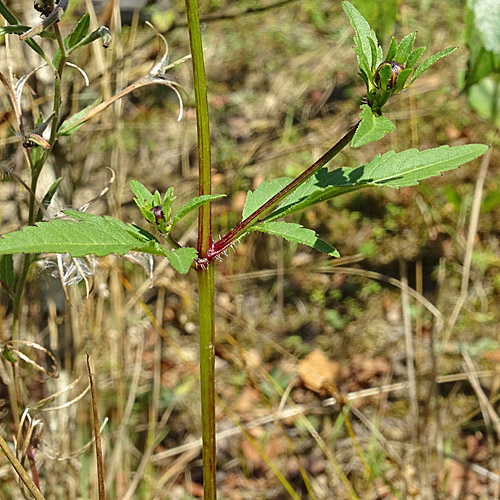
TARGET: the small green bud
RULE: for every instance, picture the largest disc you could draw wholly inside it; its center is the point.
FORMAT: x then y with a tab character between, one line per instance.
395	69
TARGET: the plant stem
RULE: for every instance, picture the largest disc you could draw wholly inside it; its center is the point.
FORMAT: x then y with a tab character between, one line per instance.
207	376
221	245
200	93
206	290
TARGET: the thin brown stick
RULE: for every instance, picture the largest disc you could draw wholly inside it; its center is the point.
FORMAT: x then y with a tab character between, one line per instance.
20	471
97	434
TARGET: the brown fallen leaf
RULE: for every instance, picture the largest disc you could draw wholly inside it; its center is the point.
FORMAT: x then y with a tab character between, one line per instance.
318	373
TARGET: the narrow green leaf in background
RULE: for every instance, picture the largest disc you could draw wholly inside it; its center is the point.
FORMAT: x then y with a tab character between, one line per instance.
13	29
299	234
79	32
484	98
380	15
7	274
372	128
102	32
73	123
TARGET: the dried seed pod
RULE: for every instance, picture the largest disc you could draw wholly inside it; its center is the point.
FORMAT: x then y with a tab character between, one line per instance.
396	68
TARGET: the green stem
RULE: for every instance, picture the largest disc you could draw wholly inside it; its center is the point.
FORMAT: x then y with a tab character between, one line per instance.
207	375
55	121
200	93
206	290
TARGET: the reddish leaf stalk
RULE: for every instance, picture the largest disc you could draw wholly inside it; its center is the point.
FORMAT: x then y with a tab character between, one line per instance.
221	245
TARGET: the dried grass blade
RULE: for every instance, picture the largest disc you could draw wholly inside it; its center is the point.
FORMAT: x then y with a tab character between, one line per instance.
97	434
20	471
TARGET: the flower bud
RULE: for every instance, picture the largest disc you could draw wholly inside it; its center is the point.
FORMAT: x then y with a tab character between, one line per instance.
157	211
396	68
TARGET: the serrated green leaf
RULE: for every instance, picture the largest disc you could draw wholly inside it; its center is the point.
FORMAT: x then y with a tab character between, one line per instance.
391	169
371	128
266	190
432	60
412	166
181	259
363	33
73	123
142	192
194	204
415	56
298	234
404	48
88	235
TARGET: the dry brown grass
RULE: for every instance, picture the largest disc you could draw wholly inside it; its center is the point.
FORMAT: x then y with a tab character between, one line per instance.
283	86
